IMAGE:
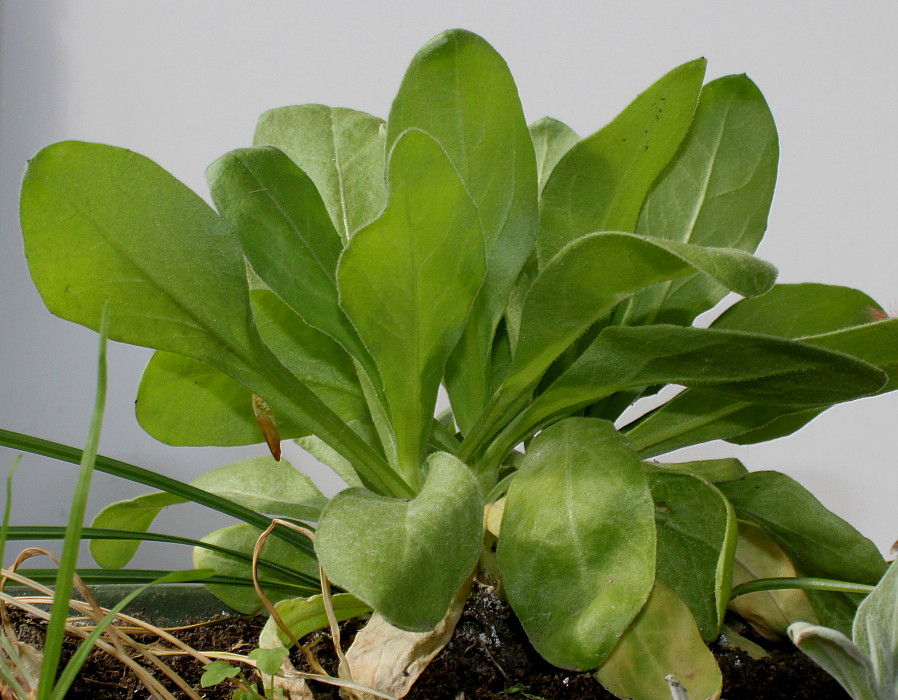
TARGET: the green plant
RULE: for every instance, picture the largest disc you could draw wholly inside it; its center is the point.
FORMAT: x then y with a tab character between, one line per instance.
548	282
865	665
35	675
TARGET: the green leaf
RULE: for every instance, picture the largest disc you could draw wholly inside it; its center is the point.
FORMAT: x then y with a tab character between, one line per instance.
799	310
600	183
819	542
662	641
407	282
875	631
745	366
716	192
406	559
341	150
577	545
839	657
713	470
103	224
305	615
242	537
310	355
329	457
551	140
287	235
216	672
184	402
460	91
697	531
584	282
259	483
269	660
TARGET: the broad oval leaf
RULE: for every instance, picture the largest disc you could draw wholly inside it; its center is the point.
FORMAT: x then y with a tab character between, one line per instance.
259	483
600	183
184	402
242	537
577	544
459	90
103	224
715	192
405	558
662	641
342	150
407	282
697	532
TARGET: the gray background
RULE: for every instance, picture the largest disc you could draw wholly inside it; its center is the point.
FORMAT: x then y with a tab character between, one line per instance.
183	81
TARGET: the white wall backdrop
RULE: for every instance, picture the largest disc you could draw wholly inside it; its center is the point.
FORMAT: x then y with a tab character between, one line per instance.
182	82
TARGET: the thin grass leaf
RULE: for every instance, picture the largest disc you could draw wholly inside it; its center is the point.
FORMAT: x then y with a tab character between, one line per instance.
67	562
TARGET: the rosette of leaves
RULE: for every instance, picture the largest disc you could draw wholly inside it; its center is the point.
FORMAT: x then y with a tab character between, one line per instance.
351	266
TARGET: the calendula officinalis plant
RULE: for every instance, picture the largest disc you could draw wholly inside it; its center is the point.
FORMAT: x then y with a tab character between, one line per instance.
353	265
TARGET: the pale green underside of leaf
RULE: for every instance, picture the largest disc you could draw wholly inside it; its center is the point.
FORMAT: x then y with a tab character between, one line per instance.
551	140
259	483
341	150
382	549
838	656
577	545
407	282
662	641
460	91
875	631
601	182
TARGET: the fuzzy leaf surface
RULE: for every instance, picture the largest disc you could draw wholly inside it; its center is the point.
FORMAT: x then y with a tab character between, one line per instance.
242	538
875	631
839	657
744	366
577	544
405	558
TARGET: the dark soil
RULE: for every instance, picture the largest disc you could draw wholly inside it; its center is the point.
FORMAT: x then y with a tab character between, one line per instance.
489	658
